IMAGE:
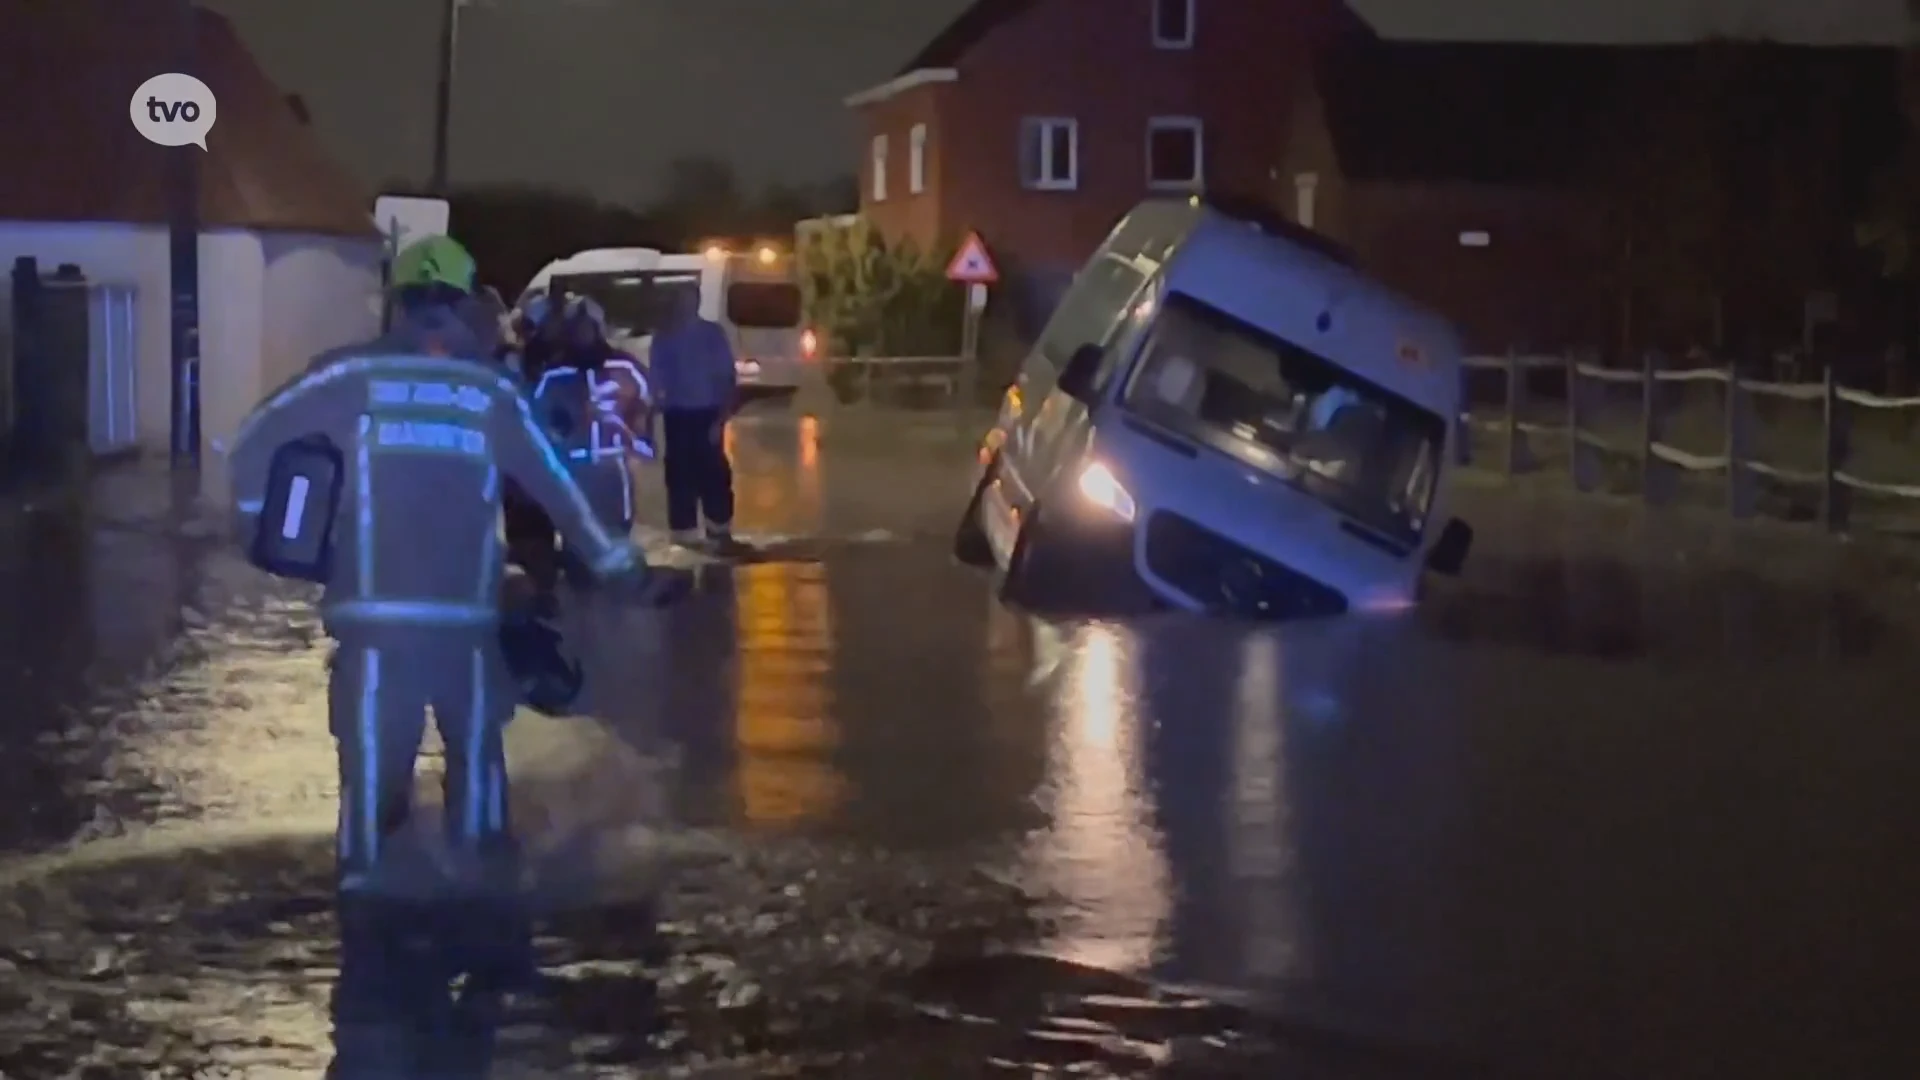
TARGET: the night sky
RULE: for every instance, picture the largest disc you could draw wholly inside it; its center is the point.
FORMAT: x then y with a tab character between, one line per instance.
598	94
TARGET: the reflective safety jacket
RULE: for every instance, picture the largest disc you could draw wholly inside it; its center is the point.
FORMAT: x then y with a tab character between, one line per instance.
427	441
597	416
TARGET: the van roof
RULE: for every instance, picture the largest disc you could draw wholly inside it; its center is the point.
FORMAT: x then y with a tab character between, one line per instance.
1311	296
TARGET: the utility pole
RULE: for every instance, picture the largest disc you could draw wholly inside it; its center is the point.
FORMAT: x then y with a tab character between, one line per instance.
443	92
183	221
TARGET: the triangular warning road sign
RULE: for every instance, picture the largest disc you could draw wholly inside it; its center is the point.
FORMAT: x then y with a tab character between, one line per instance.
972	264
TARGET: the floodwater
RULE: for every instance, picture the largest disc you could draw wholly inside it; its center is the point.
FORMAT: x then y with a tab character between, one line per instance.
1633	800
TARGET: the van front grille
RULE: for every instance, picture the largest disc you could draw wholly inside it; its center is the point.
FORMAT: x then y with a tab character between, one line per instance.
1228	578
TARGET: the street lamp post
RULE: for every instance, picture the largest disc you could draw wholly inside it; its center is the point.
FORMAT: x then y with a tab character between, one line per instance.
183	242
443	92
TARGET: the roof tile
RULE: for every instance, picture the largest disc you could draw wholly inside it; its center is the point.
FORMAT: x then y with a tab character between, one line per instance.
75	156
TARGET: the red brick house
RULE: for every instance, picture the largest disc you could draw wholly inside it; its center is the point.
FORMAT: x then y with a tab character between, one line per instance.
1465	174
1485	178
1040	122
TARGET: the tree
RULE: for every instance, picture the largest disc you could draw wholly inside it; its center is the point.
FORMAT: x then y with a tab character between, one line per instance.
874	297
700	197
513	231
703	199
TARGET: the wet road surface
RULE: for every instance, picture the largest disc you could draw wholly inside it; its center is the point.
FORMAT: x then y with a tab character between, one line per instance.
1632	801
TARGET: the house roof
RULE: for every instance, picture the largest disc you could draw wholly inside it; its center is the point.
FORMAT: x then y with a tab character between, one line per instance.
1538	114
75	156
967	29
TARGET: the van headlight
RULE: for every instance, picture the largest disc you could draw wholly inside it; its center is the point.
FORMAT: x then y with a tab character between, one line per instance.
1100	487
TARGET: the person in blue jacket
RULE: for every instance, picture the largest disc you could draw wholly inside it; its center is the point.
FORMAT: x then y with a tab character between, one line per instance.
696	384
425	438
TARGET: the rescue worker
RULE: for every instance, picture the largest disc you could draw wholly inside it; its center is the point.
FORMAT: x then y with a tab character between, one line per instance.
695	384
538	335
594	404
425	436
531	539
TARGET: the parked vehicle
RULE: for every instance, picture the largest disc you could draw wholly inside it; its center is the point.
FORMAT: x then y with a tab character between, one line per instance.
751	295
1223	415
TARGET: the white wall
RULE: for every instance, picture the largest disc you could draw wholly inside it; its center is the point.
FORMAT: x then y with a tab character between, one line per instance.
283	298
268	304
232	333
134	255
321	292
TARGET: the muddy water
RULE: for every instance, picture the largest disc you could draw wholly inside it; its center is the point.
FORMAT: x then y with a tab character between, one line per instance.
1588	814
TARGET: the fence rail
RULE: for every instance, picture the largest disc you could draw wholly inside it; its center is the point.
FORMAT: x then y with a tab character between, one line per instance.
873	378
1649	438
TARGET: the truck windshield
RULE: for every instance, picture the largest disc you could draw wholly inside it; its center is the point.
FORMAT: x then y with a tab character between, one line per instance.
637	303
1363	450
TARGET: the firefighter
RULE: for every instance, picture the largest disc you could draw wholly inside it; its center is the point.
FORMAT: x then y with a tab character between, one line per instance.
422	439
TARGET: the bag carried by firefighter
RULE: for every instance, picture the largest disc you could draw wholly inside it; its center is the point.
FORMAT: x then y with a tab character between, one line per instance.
295	538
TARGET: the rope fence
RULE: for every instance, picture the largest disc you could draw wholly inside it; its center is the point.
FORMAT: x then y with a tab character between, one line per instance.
1733	433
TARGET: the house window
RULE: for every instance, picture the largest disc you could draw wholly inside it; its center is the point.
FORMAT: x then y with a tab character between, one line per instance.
1305	186
1173	24
917	159
1475	238
1049	153
879	168
1174	153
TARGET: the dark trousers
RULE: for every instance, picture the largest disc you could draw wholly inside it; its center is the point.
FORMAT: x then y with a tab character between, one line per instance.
699	476
531	538
381	685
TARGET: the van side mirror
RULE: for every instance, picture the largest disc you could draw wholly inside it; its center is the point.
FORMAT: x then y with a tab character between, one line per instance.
1448	555
1077	380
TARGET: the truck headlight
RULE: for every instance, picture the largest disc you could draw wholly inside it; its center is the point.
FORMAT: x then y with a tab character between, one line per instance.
1100	487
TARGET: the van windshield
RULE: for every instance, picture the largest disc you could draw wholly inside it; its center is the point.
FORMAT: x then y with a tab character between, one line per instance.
1363	450
637	303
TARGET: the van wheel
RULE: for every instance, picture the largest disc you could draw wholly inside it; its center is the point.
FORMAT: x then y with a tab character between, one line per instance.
970	544
1033	568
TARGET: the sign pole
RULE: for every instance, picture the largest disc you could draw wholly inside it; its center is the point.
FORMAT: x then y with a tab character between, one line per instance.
973	268
970	335
386	276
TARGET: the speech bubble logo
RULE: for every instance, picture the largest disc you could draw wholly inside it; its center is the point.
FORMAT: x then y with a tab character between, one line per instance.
173	110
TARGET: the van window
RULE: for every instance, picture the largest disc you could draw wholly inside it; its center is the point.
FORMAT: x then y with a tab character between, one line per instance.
769	305
638	303
1367	452
1091	311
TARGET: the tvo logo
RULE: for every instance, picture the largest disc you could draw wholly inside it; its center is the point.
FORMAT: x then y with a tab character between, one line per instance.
173	110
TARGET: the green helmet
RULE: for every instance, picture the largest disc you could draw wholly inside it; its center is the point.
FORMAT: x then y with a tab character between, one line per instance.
434	261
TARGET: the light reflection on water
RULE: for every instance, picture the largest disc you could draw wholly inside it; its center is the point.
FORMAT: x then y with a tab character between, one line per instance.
785	730
1259	824
1498	825
1099	856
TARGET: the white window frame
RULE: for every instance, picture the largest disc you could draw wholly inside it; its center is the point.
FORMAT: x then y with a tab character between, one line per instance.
1045	180
879	166
1179	123
917	159
1162	41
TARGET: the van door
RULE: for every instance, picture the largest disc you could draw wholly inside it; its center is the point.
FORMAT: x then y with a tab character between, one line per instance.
1052	426
762	314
